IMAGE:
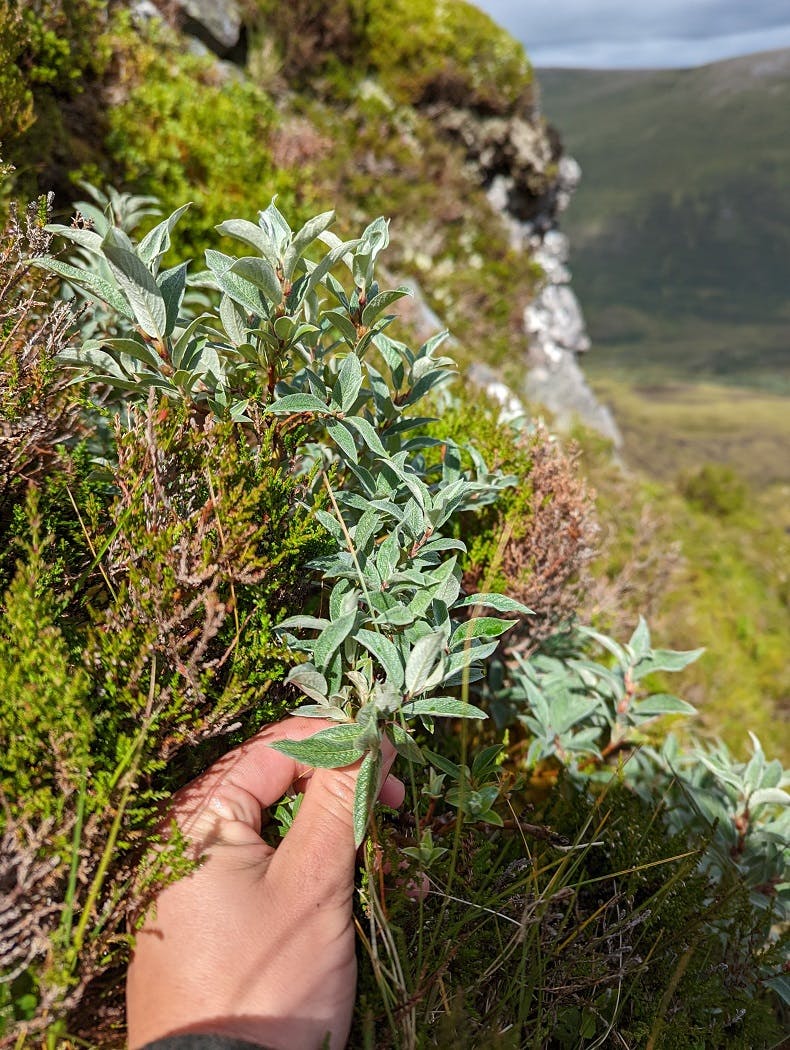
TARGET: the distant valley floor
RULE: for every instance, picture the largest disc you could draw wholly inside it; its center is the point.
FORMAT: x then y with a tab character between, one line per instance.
672	428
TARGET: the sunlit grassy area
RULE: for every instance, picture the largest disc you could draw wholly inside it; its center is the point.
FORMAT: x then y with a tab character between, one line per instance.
705	498
673	428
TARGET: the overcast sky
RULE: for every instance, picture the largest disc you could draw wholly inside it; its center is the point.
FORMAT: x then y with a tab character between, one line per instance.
610	34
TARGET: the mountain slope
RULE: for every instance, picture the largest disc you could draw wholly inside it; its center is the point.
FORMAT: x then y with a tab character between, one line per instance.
681	227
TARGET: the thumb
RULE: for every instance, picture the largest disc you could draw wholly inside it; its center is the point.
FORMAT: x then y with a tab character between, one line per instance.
319	850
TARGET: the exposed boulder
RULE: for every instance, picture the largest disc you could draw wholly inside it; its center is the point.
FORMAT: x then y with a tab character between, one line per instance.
517	153
216	23
518	158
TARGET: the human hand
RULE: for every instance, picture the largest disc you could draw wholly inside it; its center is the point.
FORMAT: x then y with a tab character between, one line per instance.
256	943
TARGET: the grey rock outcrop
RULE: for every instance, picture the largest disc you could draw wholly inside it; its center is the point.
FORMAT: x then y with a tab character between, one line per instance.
554	322
216	23
529	181
516	153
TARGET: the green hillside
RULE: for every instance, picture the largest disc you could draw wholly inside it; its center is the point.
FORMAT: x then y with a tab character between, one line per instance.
681	227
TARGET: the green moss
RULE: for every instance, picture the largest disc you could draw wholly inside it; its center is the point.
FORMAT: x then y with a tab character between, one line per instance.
49	50
425	50
420	50
44	714
189	129
476	424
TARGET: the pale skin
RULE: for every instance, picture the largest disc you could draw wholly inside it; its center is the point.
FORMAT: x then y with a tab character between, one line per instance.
257	943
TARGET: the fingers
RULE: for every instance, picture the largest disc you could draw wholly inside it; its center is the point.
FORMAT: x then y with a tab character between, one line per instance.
319	850
242	783
393	792
226	801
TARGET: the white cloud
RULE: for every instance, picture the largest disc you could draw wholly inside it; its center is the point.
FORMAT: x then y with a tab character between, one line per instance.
631	33
659	53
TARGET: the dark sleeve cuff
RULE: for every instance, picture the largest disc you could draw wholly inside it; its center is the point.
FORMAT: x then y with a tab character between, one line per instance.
197	1041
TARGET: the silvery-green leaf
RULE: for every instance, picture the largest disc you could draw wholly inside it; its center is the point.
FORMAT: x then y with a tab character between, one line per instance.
186	336
334	673
500	602
342	437
241	291
664	660
339	251
404	744
769	797
139	350
303	623
455	671
442	707
342	322
311	230
448	589
422	660
331	524
368	434
331	638
414	519
772	774
138	285
639	642
260	273
385	698
293	403
348	383
381	302
96	287
366	528
96	215
365	794
417	488
338	597
85	238
333	242
172	284
310	681
99	361
132	385
608	643
155	243
331	748
423	386
397	616
249	233
385	652
436	677
275	223
388	555
335	714
376	236
480	627
663	704
234	320
349	602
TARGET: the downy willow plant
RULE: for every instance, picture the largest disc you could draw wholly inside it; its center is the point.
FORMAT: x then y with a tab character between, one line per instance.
583	710
586	713
287	344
